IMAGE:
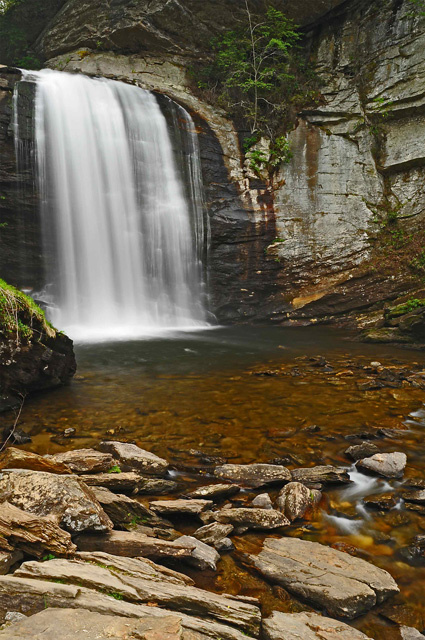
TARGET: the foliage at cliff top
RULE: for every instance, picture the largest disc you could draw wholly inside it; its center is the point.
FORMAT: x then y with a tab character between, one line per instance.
21	21
20	317
258	75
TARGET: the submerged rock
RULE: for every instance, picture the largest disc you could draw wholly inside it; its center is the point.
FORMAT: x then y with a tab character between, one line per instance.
345	586
307	626
254	475
388	465
65	498
132	457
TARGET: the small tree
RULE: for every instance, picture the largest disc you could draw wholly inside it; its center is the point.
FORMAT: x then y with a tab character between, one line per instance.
256	72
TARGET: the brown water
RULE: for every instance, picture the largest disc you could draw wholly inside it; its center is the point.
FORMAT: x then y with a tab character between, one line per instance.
192	397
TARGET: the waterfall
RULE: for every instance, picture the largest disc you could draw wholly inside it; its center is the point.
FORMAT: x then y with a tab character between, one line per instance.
128	239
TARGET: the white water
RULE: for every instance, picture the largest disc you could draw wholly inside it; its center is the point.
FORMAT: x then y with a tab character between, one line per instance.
128	243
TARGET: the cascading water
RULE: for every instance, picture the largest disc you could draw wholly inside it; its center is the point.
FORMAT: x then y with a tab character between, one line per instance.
128	242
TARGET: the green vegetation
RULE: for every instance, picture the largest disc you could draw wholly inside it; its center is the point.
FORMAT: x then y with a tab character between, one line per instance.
406	307
116	595
20	317
115	469
257	75
418	7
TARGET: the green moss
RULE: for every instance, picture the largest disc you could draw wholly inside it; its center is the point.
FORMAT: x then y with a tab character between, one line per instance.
20	317
406	307
114	469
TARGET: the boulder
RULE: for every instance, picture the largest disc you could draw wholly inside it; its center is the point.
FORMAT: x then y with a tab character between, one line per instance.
33	534
215	492
307	626
84	460
388	465
213	533
132	457
19	459
27	594
132	544
342	584
294	500
202	555
122	509
262	501
89	625
254	475
65	498
252	518
363	450
180	507
144	585
322	474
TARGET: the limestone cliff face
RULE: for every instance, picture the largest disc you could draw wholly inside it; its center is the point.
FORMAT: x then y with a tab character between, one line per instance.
296	247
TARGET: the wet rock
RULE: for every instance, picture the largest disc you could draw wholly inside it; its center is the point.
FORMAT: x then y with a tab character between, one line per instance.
27	594
363	450
254	475
345	586
122	509
388	465
418	508
409	633
8	559
92	626
33	534
180	507
132	544
225	545
262	501
383	501
307	626
130	482
252	518
202	556
322	474
213	533
417	497
130	456
415	483
84	460
215	492
294	500
18	459
14	435
65	498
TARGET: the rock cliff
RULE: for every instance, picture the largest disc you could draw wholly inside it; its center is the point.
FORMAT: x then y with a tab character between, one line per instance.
315	240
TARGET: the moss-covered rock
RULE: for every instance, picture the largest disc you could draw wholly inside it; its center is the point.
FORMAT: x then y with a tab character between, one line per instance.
33	354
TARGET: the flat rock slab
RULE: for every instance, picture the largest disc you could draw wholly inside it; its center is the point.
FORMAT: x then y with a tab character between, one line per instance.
342	584
18	459
135	585
417	497
180	507
133	457
388	465
81	623
27	594
36	535
307	626
322	474
122	509
84	460
215	492
65	498
254	475
130	482
254	518
132	544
